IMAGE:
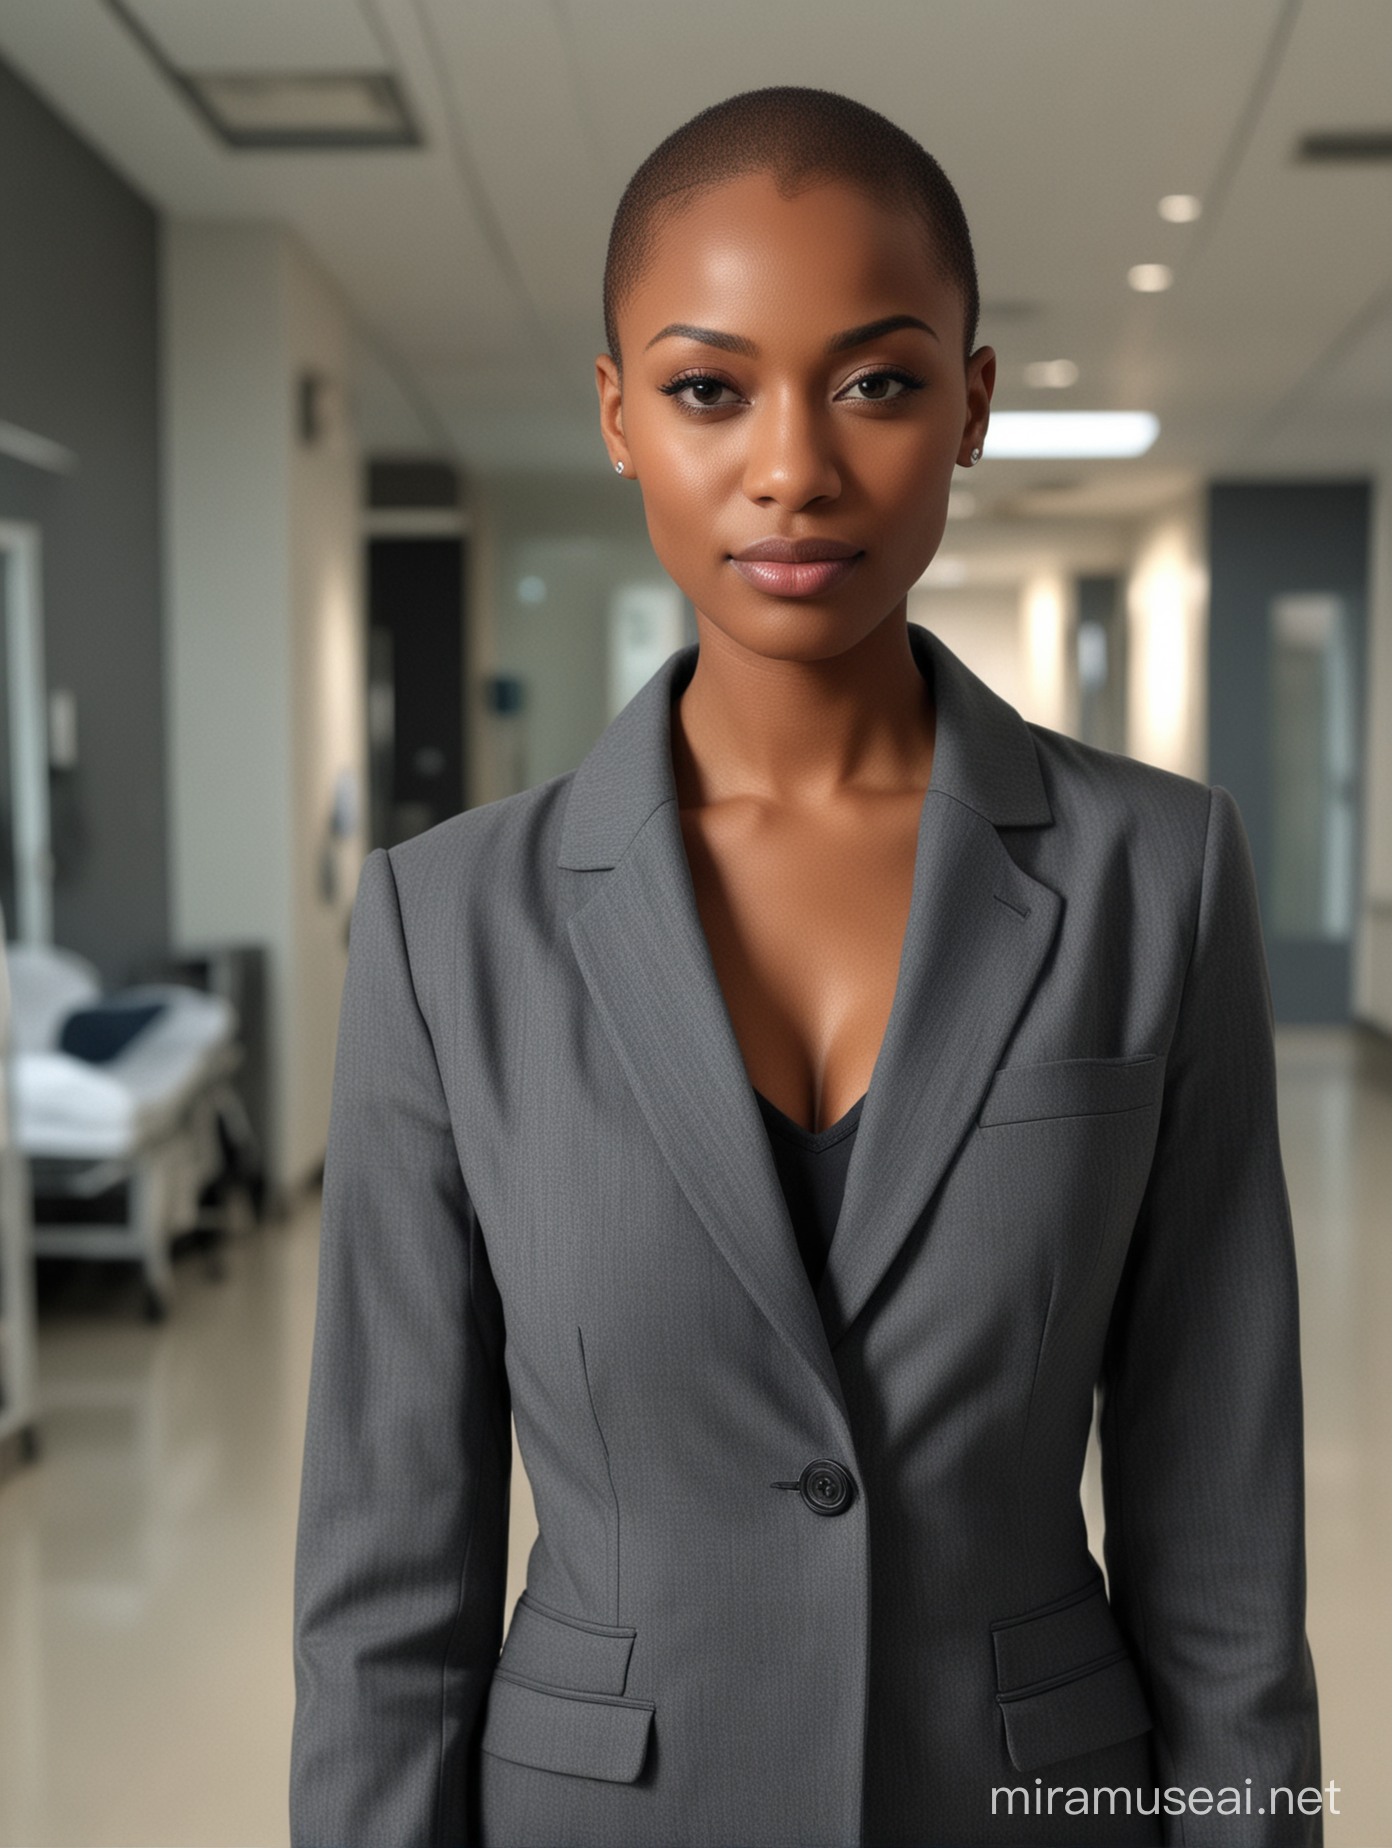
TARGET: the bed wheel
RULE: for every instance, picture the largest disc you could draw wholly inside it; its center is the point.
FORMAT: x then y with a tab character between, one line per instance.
156	1308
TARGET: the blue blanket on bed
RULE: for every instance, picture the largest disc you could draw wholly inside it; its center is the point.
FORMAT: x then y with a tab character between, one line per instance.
98	1033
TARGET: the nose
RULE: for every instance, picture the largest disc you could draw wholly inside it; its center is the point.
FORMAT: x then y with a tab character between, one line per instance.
790	461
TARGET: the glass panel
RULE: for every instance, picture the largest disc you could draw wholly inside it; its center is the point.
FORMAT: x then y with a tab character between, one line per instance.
645	626
1313	760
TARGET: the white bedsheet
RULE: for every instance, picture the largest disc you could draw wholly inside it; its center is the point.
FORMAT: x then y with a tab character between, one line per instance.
65	1107
46	984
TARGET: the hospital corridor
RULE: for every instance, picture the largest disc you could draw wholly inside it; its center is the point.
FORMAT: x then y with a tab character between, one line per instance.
317	539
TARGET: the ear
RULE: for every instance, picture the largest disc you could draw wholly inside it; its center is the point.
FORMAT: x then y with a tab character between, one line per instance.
610	390
981	382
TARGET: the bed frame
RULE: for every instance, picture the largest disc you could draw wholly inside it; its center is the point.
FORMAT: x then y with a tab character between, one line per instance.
18	1430
162	1180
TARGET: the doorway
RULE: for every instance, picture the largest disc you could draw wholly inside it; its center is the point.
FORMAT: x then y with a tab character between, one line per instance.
415	684
1287	647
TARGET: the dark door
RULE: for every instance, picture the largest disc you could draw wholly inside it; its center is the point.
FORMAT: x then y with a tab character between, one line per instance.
1287	623
415	684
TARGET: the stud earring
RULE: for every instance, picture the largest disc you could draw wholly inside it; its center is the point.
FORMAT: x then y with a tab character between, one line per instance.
975	456
618	468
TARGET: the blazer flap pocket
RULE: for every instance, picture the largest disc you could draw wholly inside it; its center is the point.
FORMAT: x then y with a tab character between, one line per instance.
566	1652
1101	1707
1065	1683
577	1734
1073	1087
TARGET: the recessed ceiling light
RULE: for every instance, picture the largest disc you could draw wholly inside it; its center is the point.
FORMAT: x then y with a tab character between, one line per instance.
302	109
1070	433
1051	374
1150	278
1180	208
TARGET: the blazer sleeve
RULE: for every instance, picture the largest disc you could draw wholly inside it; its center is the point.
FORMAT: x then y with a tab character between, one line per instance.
1202	1444
401	1563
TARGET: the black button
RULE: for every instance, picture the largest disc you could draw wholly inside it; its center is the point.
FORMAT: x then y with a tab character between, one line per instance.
826	1487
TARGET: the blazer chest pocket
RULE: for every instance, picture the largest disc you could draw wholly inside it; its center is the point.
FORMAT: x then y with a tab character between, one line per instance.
556	1699
1073	1088
1065	1682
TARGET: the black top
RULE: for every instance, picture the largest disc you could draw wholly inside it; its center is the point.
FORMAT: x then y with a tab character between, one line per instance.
811	1168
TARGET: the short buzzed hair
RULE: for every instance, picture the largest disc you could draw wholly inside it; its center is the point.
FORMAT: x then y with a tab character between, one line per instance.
801	138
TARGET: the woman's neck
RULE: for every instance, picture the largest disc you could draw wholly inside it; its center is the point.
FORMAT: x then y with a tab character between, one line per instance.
802	732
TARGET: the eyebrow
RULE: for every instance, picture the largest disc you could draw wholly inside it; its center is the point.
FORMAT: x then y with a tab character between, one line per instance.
872	330
708	336
839	343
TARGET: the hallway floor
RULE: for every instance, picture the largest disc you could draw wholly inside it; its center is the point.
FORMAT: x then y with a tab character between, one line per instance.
145	1563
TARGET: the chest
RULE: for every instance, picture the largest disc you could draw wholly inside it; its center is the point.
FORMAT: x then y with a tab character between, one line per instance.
804	915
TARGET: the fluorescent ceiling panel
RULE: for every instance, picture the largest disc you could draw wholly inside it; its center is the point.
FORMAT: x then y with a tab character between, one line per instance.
261	35
310	110
1070	433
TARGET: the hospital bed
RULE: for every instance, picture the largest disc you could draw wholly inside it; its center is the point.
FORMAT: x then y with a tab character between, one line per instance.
129	1092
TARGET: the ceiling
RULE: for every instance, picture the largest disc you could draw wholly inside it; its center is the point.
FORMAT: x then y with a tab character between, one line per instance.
471	264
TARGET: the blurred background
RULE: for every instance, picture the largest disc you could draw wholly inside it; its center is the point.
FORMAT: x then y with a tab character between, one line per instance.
308	541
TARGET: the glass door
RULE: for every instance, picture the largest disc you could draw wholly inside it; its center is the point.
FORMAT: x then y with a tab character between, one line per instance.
1314	786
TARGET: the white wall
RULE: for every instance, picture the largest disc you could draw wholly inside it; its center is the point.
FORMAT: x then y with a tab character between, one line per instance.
1019	638
982	628
1167	643
1048	651
264	639
1373	963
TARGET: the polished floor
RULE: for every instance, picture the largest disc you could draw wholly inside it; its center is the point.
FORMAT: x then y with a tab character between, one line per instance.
145	1562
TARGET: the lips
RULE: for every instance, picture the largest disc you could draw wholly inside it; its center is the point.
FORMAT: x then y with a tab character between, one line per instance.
796	567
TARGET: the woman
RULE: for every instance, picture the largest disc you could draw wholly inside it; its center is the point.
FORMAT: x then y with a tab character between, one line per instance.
821	937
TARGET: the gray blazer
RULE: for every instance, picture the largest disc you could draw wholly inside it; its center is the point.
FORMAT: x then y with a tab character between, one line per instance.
549	1191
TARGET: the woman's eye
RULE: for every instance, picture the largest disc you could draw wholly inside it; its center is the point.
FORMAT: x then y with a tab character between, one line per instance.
881	387
701	393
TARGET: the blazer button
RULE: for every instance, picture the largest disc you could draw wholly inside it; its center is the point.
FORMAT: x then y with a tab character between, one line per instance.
826	1487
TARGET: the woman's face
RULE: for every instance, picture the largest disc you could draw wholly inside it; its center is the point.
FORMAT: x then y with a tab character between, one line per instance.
793	371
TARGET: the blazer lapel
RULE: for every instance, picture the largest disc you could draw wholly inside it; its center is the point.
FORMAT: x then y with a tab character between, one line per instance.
979	931
978	934
644	957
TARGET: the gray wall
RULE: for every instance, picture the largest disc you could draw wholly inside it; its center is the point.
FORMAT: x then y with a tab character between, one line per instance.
79	363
